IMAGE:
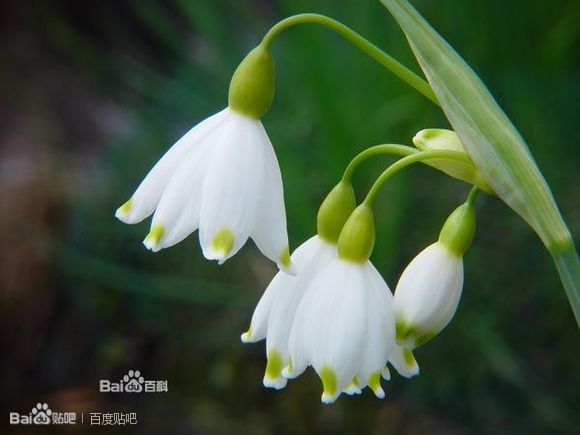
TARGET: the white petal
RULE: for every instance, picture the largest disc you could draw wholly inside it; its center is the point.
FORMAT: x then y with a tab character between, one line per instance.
145	199
231	188
380	331
428	291
259	324
177	214
270	233
312	256
403	360
330	325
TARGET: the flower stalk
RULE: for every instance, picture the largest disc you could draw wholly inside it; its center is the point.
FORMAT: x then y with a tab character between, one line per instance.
407	161
358	41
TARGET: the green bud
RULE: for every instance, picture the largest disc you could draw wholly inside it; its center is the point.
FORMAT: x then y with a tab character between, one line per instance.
357	238
441	139
334	211
459	229
252	85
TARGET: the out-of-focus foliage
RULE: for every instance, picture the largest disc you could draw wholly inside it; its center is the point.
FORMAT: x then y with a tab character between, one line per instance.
95	92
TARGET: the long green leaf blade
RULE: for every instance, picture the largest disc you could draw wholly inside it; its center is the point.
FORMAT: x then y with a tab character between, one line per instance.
492	141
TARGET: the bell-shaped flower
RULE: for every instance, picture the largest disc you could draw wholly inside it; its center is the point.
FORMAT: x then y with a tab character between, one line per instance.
429	289
344	325
275	311
222	177
274	314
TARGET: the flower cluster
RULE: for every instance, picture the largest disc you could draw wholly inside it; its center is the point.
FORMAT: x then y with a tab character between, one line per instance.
339	316
328	307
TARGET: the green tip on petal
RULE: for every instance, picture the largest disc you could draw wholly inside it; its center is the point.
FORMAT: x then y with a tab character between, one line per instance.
329	384
275	365
375	384
247	336
154	236
353	386
409	357
386	374
288	371
285	257
223	242
126	208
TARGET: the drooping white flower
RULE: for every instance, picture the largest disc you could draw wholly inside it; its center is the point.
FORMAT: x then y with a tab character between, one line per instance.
344	329
427	294
274	314
223	178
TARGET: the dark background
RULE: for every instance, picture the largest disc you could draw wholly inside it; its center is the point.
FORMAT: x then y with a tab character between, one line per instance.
91	95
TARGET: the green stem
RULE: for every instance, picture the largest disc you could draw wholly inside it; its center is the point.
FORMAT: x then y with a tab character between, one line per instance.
357	40
401	150
472	195
409	160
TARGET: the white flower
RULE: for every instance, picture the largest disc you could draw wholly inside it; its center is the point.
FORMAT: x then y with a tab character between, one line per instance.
223	178
427	294
344	328
275	311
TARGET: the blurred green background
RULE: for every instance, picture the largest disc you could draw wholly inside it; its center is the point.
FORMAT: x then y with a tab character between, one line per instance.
93	93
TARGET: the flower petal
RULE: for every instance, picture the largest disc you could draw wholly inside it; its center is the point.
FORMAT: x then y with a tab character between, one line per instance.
330	324
312	256
270	233
380	330
403	360
179	207
234	177
145	199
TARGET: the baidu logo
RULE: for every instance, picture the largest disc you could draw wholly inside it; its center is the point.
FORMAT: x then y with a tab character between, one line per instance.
41	414
133	382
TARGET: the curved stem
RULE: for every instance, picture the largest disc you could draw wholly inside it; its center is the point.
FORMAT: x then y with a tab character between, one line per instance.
472	195
401	150
409	160
357	40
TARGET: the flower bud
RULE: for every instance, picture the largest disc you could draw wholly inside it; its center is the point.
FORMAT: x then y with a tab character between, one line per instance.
427	295
441	139
252	85
429	289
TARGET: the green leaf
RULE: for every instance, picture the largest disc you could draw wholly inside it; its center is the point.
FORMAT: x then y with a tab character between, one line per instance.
491	140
